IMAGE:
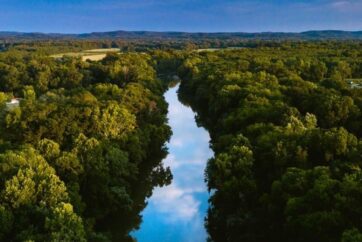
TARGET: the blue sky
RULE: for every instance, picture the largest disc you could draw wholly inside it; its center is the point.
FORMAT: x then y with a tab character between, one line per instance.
70	16
176	213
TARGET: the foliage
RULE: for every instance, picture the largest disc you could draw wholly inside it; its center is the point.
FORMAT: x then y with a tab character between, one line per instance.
94	134
286	131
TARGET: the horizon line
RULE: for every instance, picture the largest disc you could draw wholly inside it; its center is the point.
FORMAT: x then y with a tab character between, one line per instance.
175	31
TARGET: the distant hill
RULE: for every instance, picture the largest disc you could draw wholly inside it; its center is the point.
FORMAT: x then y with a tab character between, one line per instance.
34	36
327	34
308	35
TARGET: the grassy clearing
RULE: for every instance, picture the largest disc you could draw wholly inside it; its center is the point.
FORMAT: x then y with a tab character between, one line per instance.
93	54
96	57
218	49
109	50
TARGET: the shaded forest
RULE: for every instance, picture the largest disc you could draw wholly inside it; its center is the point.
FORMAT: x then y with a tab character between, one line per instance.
82	147
82	150
286	130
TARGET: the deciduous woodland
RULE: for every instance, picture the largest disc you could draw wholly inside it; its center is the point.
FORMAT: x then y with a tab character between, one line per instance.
81	149
286	130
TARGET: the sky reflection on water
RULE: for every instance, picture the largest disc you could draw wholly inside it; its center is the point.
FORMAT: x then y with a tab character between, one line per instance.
176	213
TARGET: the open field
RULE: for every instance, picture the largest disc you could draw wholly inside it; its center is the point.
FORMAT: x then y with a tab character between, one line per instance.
218	49
95	57
109	50
93	54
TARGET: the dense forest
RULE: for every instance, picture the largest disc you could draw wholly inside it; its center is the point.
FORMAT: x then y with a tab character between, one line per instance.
286	129
82	144
82	150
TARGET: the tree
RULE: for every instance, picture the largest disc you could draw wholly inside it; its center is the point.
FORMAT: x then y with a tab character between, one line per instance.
31	189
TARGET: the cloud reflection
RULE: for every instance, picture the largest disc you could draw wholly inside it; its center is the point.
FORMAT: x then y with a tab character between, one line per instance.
176	212
176	204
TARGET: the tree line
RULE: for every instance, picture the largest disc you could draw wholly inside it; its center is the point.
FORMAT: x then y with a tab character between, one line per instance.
286	130
84	148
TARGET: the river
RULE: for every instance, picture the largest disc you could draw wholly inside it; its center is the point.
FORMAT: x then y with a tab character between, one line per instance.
176	213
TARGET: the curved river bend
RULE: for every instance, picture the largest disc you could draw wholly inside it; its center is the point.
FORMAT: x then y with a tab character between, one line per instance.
176	213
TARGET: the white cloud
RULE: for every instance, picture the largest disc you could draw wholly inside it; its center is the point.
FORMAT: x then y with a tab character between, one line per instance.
171	162
178	204
340	4
347	6
182	204
177	142
189	152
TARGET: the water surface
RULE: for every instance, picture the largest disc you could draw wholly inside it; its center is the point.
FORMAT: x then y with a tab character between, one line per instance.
176	213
